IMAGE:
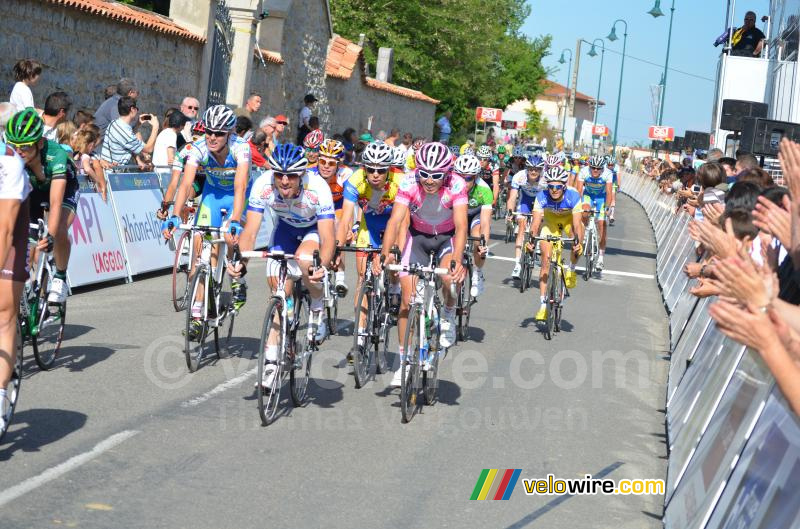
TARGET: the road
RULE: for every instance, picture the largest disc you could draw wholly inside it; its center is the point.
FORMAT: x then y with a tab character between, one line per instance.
119	435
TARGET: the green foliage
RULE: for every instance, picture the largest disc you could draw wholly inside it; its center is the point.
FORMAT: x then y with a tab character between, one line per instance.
466	53
159	6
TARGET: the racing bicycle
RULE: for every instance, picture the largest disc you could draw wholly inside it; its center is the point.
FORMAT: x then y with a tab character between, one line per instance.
591	246
556	289
465	299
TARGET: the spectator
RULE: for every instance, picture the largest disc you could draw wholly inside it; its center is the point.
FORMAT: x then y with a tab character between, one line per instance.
244	127
748	40
6	111
714	155
443	124
26	73
190	106
281	122
83	118
313	123
756	175
407	139
83	144
64	132
109	91
108	110
167	140
303	127
258	146
267	126
120	144
56	107
251	106
393	137
729	164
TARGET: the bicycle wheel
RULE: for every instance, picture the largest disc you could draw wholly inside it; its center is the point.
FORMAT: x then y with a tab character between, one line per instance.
181	267
410	375
430	375
362	338
12	390
588	256
524	272
332	314
194	347
509	232
464	304
560	288
550	321
268	397
300	367
49	329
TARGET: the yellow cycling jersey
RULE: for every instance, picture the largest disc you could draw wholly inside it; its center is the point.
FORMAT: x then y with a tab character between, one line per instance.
376	209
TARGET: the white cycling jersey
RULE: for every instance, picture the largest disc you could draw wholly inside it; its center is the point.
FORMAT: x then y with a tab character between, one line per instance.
521	184
14	182
312	204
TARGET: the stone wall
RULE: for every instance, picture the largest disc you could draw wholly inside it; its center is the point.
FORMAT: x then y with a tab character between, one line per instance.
267	81
353	102
84	53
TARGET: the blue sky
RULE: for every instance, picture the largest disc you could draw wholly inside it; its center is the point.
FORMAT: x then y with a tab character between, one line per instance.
696	25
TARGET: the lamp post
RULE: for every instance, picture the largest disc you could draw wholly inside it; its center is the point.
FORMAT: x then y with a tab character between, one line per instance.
612	37
561	60
593	53
656	12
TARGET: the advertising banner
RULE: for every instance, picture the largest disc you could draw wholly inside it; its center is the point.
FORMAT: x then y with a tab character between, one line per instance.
483	114
661	133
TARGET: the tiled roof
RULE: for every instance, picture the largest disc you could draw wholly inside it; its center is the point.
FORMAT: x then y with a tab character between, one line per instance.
130	15
553	89
342	60
269	56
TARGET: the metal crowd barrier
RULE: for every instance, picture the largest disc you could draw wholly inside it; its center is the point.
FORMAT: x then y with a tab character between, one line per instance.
734	444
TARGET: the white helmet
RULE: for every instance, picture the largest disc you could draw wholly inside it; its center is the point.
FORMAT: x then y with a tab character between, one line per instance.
553	160
467	164
484	152
399	157
219	117
556	174
378	154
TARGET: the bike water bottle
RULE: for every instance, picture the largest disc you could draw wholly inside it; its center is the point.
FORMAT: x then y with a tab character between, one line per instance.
290	309
205	254
420	289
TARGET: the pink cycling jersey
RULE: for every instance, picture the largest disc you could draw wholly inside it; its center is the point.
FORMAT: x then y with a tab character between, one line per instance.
432	214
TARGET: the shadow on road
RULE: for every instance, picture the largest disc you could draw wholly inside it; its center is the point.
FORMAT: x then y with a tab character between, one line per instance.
32	429
632	253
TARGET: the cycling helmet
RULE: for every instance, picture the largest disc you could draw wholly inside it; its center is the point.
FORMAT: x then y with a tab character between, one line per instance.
313	139
553	160
219	117
434	157
332	149
288	158
399	158
610	160
556	174
455	150
199	127
597	162
484	152
467	164
501	149
469	150
418	143
378	154
534	160
24	127
518	152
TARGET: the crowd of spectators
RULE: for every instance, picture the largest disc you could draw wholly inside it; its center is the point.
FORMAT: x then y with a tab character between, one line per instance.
747	234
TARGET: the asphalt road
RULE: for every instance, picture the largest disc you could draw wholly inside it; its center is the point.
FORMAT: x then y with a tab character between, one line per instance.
120	435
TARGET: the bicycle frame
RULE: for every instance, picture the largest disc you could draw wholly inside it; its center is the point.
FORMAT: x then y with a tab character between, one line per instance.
203	262
32	313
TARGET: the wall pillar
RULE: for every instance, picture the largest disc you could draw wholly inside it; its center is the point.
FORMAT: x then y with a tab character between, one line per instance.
198	17
244	14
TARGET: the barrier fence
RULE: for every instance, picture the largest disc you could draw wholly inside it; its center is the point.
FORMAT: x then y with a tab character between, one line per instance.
734	444
120	237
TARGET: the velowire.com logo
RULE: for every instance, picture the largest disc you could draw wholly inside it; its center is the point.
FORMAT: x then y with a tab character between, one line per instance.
496	484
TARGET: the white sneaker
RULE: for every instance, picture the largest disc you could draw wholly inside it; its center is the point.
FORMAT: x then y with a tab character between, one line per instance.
599	264
448	327
397	378
517	271
269	375
477	284
58	291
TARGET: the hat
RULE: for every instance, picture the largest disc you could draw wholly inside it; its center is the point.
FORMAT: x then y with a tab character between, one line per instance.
310	98
281	118
367	137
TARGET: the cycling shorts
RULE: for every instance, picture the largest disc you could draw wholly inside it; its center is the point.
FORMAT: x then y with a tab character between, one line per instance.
213	200
419	245
370	234
554	226
287	238
40	196
16	266
526	203
474	220
597	204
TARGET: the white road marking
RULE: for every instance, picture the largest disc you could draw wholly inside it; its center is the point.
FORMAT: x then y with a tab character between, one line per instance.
608	272
228	384
59	470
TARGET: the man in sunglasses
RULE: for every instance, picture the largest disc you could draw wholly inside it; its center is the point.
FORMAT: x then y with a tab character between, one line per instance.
525	185
225	159
479	213
595	186
311	144
335	173
490	170
373	187
557	211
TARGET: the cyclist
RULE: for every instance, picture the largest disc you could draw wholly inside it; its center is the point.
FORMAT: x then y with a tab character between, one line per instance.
373	189
501	158
301	200
479	213
54	179
225	159
612	166
14	190
177	168
557	211
312	142
525	185
399	160
490	171
335	173
594	185
436	202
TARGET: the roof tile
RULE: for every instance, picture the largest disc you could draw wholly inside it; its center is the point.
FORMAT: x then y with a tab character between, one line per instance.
269	56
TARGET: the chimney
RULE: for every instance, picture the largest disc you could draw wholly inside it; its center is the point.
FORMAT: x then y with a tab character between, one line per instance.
384	66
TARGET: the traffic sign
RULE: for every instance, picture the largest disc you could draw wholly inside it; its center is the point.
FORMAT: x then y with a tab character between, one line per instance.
483	114
657	132
599	130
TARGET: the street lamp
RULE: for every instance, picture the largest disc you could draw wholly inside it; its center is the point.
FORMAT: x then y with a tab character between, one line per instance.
655	13
593	53
612	37
566	93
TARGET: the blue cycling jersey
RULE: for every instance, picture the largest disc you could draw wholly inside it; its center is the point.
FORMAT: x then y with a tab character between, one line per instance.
219	177
569	203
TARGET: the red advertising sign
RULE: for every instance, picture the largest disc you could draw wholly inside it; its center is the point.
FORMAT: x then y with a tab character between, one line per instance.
508	125
661	133
599	130
488	114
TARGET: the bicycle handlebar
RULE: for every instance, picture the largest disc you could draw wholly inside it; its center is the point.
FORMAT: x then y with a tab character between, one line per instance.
418	269
278	255
553	238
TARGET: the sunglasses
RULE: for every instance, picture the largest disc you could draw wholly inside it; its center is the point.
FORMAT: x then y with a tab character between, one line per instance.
193	108
216	133
22	147
425	175
282	122
376	170
309	150
555	187
280	176
327	163
468	179
596	168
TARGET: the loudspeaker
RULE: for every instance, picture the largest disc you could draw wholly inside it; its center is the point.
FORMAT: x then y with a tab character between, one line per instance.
677	144
696	140
658	145
734	111
763	136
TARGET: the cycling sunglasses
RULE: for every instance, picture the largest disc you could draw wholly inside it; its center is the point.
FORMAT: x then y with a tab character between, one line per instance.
290	176
378	170
23	147
555	187
216	133
324	162
426	175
